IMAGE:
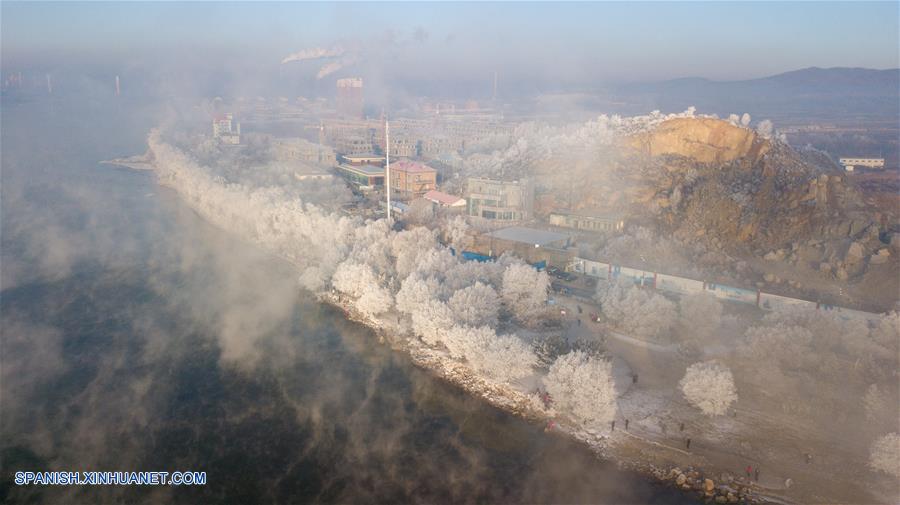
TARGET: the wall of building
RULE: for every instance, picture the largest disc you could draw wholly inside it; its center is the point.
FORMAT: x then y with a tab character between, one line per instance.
500	200
412	184
588	223
685	286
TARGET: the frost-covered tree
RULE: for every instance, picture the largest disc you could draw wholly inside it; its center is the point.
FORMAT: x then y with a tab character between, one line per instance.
435	261
887	331
583	387
745	120
639	312
709	386
353	278
884	455
524	290
506	358
502	357
765	129
875	402
466	273
375	300
476	305
358	281
457	233
414	291
421	211
408	245
701	315
782	345
431	320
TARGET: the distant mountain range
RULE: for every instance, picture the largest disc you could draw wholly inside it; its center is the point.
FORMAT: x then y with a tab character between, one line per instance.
811	92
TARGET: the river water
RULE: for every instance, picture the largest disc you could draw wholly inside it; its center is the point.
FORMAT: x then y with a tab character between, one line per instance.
137	337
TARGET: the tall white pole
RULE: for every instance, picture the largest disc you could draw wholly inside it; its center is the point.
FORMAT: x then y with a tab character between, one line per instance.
387	167
494	98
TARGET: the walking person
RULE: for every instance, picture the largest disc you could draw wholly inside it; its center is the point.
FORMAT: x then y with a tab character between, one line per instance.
749	471
808	458
756	474
681	427
626	425
687	443
614	425
634	378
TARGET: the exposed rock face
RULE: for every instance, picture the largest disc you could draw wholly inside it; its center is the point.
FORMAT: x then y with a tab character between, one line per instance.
704	140
721	191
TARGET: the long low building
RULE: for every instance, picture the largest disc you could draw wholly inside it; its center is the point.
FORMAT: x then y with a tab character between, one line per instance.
530	244
851	163
362	177
587	222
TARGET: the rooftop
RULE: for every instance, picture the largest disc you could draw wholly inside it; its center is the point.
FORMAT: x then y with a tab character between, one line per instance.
528	235
362	157
588	213
411	167
363	169
442	198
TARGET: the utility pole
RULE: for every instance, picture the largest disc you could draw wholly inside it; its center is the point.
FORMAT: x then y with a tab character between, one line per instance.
494	96
387	168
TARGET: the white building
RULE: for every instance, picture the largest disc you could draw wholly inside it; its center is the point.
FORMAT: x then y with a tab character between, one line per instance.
226	130
851	163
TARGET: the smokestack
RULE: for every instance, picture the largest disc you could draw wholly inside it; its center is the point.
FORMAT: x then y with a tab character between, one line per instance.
118	91
49	85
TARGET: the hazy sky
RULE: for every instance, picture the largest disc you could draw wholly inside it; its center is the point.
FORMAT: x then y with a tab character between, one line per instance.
574	42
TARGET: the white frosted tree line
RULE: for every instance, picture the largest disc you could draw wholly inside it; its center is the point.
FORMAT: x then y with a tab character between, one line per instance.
366	261
709	386
583	386
824	345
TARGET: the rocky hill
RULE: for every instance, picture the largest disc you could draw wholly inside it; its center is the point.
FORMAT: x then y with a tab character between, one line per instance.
704	140
791	216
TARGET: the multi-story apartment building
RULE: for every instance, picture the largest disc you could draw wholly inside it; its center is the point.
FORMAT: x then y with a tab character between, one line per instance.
500	200
410	179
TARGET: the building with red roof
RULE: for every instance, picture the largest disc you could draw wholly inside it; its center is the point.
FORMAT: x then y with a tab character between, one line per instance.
443	199
410	179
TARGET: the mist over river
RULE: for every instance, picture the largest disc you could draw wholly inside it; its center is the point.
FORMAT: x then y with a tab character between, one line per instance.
135	336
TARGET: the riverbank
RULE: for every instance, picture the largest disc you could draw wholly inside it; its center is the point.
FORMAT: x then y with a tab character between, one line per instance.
371	259
629	451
